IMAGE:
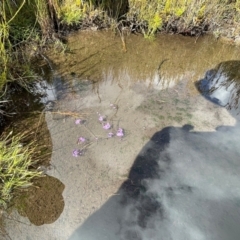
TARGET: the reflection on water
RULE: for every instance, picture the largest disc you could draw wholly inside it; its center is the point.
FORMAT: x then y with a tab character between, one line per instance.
222	85
92	54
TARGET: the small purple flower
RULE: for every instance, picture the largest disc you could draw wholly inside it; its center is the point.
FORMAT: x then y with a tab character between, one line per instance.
120	132
81	140
101	118
106	126
78	121
110	134
77	153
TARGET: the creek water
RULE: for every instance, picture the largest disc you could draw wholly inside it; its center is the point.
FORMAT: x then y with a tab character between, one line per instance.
173	172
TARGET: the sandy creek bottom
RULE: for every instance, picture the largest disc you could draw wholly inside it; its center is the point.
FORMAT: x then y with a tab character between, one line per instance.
143	107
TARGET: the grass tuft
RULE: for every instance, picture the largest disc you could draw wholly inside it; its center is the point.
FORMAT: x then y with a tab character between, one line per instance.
15	166
182	15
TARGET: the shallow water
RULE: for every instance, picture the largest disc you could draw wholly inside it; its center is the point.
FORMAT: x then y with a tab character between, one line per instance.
110	189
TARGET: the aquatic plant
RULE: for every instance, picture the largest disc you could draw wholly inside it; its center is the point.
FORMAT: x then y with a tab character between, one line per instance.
81	140
77	152
101	118
107	125
120	132
16	170
78	121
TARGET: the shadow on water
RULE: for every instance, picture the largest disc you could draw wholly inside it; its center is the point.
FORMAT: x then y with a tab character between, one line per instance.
183	184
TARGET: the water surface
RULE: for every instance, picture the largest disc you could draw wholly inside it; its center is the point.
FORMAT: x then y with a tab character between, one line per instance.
166	178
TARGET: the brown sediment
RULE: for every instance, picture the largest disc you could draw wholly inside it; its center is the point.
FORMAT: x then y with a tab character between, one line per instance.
43	202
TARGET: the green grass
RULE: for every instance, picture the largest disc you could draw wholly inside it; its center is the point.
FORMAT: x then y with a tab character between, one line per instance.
185	13
150	15
15	166
71	12
17	28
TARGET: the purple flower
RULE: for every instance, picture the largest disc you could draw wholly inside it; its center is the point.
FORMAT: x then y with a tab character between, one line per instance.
77	153
106	126
81	140
110	134
78	121
120	132
101	118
